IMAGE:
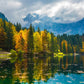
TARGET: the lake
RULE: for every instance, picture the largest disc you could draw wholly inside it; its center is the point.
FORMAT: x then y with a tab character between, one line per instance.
46	70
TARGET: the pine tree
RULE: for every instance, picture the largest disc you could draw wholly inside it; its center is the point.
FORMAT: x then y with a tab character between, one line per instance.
52	42
38	30
4	24
33	29
18	27
30	44
9	41
64	48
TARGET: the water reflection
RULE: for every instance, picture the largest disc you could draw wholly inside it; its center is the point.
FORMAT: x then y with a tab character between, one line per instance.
48	70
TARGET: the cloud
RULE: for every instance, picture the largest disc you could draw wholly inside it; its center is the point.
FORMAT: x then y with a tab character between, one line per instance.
69	31
9	4
36	21
10	8
66	11
62	11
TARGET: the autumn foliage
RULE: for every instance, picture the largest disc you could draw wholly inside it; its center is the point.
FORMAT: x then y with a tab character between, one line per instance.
29	40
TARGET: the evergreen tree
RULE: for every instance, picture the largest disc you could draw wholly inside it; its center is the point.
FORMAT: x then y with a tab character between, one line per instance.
9	41
4	25
33	29
38	30
52	42
18	27
30	39
69	48
64	48
55	44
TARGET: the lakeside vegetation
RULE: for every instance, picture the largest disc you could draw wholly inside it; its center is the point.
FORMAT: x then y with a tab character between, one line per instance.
38	42
38	56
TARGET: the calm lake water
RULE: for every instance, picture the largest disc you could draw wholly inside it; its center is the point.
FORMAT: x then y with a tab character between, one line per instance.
50	70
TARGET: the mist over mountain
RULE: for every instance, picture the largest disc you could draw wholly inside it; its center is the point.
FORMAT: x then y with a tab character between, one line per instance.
51	24
45	22
3	17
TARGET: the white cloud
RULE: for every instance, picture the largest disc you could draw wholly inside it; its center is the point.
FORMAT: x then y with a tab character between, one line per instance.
36	21
10	4
64	10
69	31
10	8
14	4
67	11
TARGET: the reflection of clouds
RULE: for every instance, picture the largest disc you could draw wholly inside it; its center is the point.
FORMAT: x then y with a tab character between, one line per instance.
46	69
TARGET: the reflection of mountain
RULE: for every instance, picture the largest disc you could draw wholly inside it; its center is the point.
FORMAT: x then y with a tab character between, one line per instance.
44	22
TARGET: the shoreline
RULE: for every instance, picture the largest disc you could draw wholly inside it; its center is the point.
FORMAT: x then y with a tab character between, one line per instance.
4	55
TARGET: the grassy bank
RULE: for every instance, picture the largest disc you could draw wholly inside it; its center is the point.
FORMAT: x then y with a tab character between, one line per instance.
4	55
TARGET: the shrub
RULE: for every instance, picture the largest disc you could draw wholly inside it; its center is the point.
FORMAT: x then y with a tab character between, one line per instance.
1	49
13	55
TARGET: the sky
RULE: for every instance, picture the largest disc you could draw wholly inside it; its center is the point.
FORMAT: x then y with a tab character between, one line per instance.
65	10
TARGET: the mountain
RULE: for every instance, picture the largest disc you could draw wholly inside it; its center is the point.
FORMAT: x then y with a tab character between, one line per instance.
45	22
31	18
3	17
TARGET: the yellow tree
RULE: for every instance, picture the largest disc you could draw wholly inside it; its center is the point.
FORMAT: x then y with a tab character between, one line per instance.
37	42
1	22
44	41
49	40
14	32
3	38
19	41
24	35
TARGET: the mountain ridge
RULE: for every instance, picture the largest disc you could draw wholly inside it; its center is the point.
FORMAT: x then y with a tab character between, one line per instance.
57	28
2	16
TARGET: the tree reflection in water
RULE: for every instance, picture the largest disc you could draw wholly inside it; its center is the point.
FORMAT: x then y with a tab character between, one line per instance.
35	70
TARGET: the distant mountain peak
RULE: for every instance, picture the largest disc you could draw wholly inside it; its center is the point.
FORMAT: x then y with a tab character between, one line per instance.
81	21
31	18
45	22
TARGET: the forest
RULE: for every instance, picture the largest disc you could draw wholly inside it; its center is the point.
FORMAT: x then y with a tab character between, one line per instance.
13	36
